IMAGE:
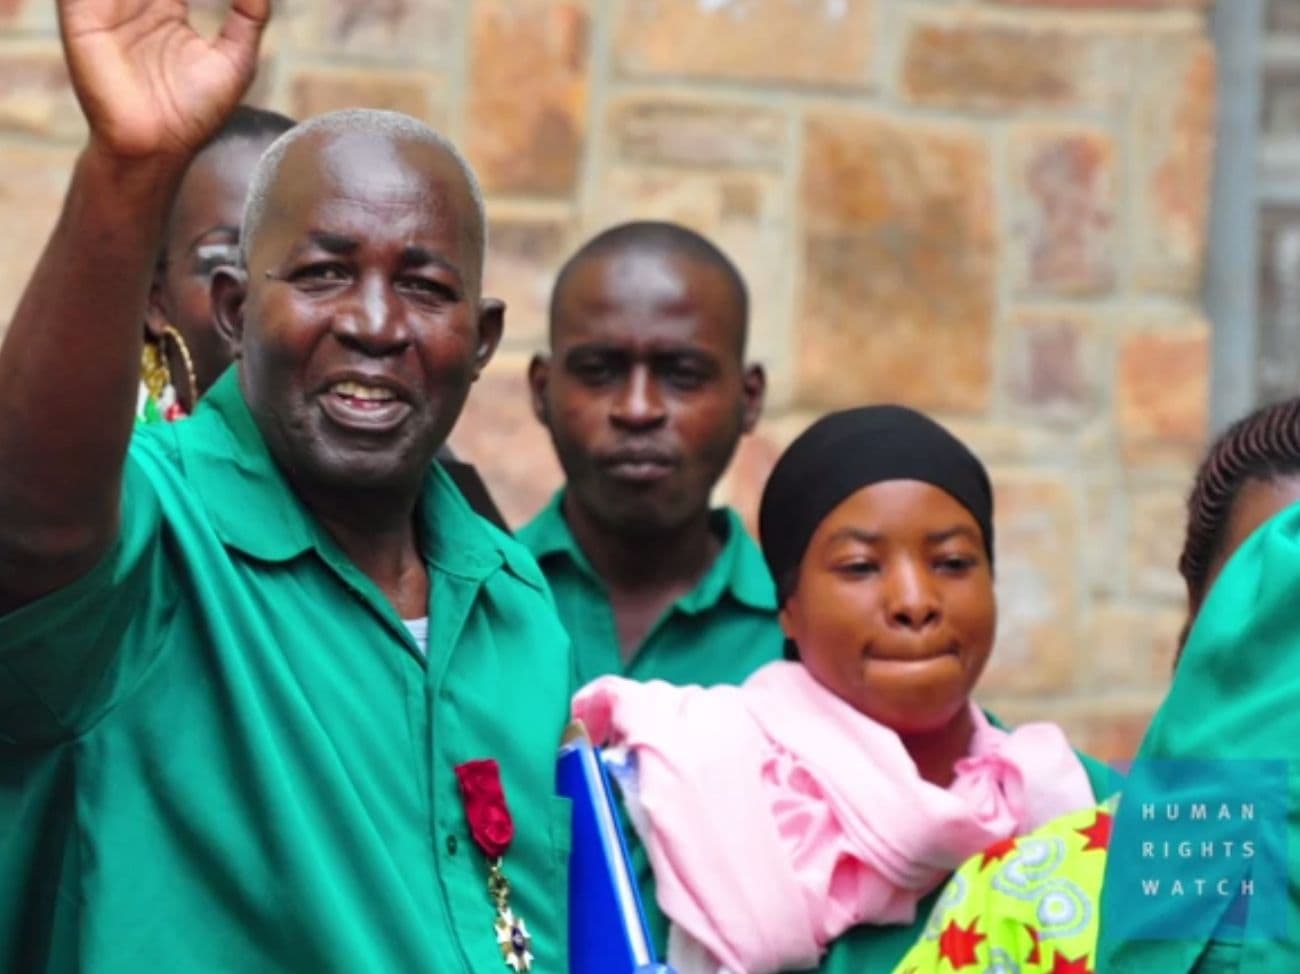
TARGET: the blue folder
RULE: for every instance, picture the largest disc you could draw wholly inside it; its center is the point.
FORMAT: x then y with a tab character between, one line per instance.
607	928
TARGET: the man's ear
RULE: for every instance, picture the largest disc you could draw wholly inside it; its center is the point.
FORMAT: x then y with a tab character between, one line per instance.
539	374
229	288
491	325
755	391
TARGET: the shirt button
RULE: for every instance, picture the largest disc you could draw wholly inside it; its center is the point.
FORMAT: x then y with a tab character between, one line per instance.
451	845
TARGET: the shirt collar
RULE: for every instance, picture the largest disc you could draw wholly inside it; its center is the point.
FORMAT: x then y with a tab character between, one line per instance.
252	507
738	570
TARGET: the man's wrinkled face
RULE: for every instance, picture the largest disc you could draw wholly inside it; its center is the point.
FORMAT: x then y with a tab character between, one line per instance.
362	328
645	394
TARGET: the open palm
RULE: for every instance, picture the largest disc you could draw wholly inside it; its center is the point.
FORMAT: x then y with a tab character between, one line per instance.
148	83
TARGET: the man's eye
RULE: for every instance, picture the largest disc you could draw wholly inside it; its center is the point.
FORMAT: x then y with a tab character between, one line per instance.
428	290
594	373
319	275
685	378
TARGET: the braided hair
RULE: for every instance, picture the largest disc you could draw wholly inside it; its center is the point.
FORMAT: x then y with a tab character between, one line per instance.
1264	446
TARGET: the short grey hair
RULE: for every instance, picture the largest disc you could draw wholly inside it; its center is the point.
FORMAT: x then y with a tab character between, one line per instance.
392	126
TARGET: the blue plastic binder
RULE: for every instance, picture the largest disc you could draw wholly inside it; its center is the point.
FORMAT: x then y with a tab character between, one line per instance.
607	929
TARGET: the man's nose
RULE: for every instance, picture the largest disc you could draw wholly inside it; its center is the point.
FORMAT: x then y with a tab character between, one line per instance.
639	403
372	319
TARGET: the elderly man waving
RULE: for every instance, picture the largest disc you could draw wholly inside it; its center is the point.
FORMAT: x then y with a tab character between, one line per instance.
271	697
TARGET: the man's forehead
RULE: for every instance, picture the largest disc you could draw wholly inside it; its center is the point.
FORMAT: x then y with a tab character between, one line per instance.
364	169
641	299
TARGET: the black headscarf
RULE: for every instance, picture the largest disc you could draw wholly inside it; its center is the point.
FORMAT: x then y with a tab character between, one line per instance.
848	450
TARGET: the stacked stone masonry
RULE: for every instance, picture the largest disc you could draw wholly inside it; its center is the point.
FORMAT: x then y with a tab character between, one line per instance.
990	209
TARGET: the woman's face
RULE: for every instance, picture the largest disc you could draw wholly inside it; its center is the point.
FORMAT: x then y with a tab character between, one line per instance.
202	235
1257	501
893	610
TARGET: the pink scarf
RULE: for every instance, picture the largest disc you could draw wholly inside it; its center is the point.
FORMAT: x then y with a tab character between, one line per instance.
779	816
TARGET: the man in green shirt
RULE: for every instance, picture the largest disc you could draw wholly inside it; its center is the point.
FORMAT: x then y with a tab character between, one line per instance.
243	656
645	393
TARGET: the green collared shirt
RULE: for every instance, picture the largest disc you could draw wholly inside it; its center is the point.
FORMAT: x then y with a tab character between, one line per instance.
719	632
222	750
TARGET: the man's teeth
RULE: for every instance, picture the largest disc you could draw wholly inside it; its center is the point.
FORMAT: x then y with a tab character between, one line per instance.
355	390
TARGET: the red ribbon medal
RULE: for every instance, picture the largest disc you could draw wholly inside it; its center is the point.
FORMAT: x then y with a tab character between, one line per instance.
492	829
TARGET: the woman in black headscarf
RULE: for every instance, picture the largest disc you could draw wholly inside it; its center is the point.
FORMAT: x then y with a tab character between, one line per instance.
797	822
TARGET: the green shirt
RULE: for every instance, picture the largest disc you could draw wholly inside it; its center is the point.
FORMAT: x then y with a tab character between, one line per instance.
222	750
719	632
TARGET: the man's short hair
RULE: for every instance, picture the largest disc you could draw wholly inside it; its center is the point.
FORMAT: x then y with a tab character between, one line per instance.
393	126
662	237
250	122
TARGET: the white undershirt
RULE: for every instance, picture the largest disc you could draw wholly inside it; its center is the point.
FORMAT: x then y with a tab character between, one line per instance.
419	632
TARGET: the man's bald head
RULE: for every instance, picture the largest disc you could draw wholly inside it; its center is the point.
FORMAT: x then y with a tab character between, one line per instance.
389	127
659	238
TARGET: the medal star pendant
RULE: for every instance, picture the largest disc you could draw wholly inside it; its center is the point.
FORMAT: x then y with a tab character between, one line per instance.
512	935
514	941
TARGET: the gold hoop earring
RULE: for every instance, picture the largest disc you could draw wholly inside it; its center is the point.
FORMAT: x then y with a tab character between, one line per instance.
170	331
155	373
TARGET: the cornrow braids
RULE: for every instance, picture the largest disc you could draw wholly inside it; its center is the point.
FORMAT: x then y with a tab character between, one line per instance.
1264	446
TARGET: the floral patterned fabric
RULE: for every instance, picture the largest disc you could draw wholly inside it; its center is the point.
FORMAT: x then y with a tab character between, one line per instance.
1026	905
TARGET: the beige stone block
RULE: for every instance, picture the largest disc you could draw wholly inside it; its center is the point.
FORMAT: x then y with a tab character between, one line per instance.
806	42
1057	360
744	214
498	433
900	260
1063	184
1162	393
32	183
976	62
525	251
29	15
1112	732
1105	536
690	131
36	97
1157	526
422	32
527	110
1132	647
1036	528
1009	444
1173	142
416	93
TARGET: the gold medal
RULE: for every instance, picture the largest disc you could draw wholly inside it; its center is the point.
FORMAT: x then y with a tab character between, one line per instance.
512	933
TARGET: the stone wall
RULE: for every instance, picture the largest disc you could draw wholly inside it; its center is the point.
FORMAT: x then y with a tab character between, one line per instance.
991	209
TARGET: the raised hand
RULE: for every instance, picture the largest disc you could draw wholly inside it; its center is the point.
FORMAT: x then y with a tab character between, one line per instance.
148	83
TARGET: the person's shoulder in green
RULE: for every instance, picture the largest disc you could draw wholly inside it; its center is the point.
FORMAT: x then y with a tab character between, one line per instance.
645	393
